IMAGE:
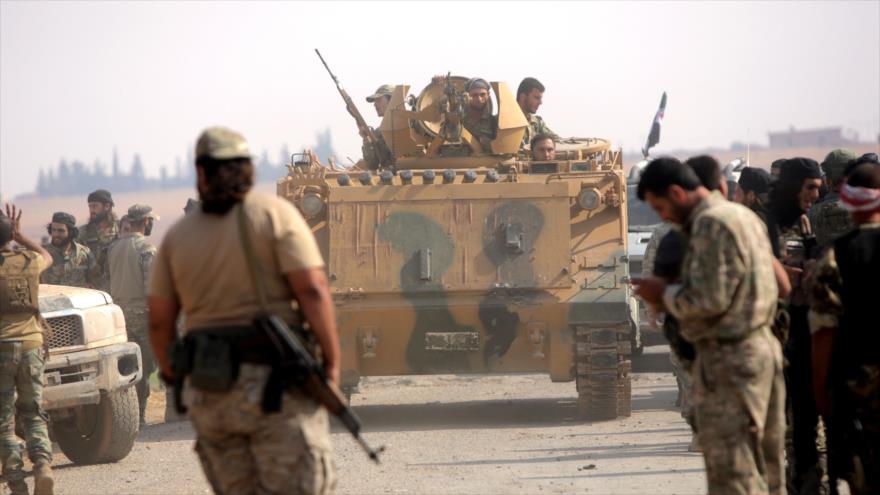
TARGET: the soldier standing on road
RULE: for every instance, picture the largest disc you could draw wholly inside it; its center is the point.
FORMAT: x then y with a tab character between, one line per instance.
530	95
22	357
130	260
99	233
793	243
380	100
244	442
828	217
72	262
725	304
846	346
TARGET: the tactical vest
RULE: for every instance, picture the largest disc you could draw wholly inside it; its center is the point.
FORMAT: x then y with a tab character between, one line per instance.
19	284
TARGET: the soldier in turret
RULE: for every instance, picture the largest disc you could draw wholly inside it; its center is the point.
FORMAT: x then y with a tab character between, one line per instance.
380	100
529	95
543	148
73	263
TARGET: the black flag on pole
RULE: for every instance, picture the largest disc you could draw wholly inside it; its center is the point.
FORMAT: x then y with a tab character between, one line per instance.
654	135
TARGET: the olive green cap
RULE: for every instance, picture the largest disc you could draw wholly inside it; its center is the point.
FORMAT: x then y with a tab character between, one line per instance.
383	90
139	212
221	143
836	161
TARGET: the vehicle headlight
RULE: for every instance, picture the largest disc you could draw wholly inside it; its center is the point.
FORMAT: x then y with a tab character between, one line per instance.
311	204
588	199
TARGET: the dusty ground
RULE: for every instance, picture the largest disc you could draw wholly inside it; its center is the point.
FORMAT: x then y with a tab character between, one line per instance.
462	434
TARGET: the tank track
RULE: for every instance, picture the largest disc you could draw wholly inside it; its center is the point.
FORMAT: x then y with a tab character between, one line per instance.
602	372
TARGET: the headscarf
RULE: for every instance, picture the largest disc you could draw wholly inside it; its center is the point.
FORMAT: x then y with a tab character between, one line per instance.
861	199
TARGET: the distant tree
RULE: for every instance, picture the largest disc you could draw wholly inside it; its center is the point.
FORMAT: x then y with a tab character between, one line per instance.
284	156
115	164
324	147
137	171
42	183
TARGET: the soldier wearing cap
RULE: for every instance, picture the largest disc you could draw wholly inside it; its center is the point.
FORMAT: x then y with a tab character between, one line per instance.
130	259
99	233
828	217
22	357
73	263
530	95
253	435
380	100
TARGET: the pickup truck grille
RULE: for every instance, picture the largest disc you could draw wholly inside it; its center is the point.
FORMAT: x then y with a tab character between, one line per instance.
66	331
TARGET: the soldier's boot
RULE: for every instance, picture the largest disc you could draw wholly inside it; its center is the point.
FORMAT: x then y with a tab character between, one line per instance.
43	482
17	487
171	414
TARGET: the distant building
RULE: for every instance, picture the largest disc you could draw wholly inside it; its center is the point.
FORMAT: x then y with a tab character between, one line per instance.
826	137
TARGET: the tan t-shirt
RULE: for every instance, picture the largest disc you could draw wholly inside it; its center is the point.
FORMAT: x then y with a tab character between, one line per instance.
201	262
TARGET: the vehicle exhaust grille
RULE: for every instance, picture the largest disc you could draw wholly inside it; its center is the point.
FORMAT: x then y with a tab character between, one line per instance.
66	331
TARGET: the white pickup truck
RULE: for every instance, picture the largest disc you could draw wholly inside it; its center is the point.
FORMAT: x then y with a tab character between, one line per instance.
90	375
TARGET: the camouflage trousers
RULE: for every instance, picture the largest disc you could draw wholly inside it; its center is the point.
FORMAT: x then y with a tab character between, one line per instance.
685	386
244	450
137	326
739	400
22	372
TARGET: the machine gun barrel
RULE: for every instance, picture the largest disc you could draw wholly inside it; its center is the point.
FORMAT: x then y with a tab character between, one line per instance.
364	129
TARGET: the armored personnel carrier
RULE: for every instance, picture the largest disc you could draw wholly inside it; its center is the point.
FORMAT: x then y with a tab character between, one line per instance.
455	258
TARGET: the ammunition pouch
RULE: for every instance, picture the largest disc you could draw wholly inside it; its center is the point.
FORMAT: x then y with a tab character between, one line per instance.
211	358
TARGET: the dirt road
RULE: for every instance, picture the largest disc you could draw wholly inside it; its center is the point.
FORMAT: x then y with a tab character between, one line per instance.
463	434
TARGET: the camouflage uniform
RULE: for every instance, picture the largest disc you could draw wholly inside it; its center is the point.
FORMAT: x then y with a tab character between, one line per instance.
482	127
73	268
130	259
240	446
98	241
726	303
828	218
21	363
372	153
842	303
536	126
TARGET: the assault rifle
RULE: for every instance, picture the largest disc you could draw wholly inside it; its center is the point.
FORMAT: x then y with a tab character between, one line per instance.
312	379
383	155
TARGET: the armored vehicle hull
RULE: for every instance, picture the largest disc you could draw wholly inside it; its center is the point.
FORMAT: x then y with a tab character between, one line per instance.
491	266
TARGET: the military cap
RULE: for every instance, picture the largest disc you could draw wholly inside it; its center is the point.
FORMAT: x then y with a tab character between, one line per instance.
139	212
476	82
383	90
221	143
64	217
101	196
795	170
835	163
755	179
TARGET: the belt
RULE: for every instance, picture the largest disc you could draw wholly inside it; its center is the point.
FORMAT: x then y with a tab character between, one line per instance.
251	345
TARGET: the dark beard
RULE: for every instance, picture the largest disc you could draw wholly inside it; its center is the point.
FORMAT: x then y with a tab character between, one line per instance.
61	243
100	217
148	229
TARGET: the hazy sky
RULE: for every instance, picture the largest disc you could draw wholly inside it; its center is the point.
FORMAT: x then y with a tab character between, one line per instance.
78	78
